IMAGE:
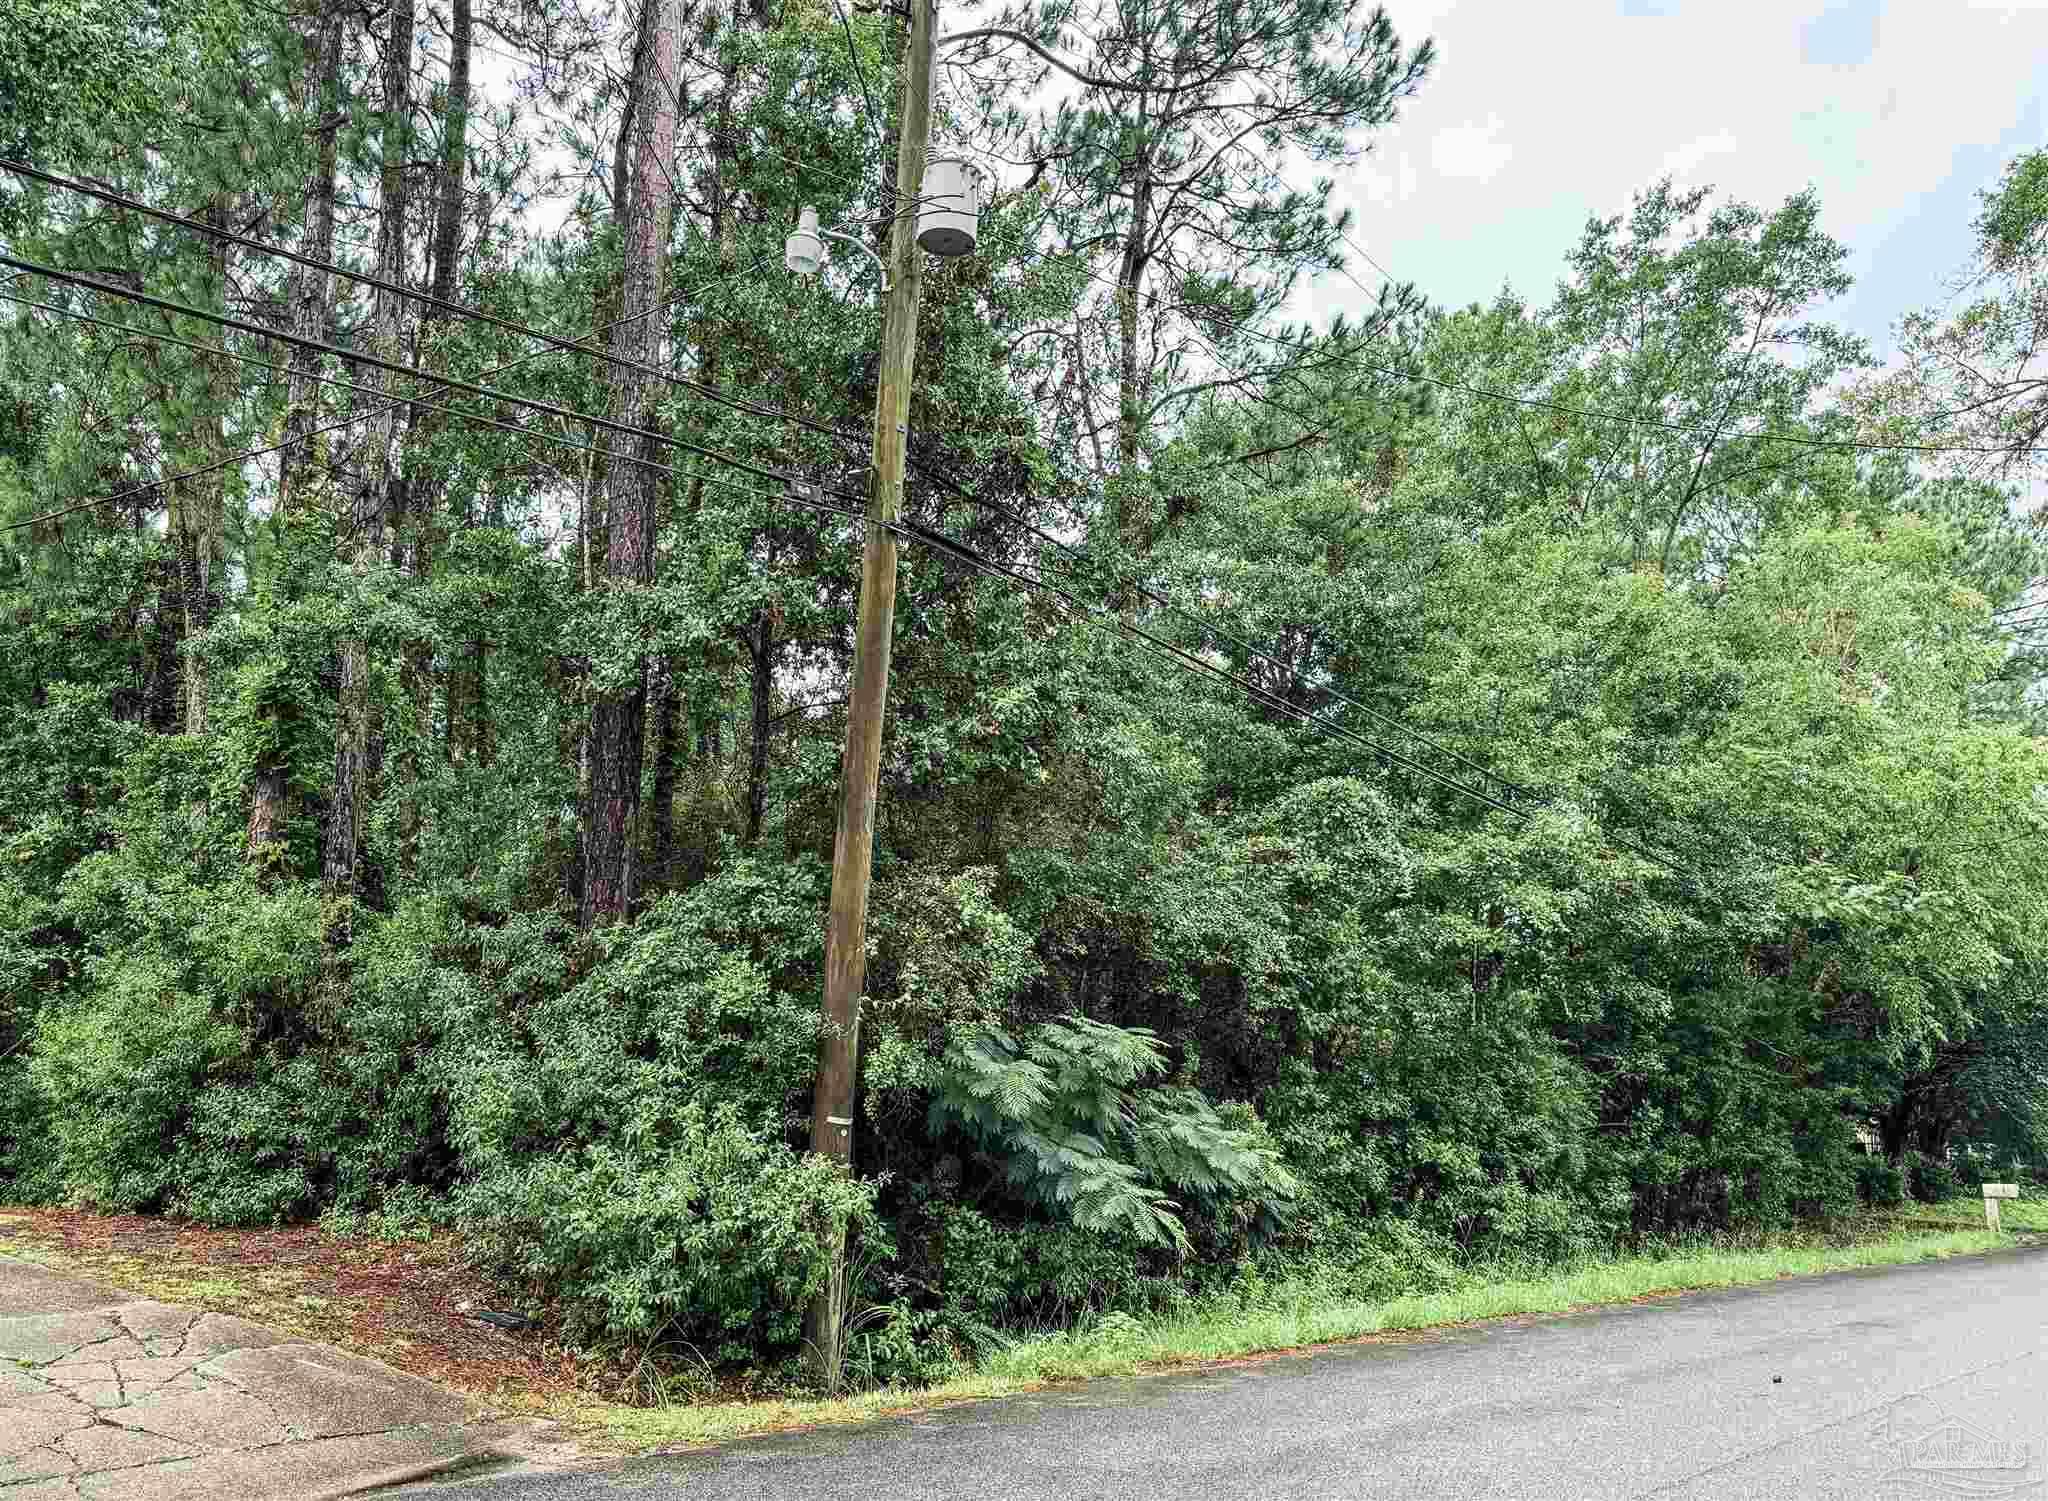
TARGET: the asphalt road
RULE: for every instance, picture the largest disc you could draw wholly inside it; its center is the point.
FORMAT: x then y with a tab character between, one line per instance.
1911	1382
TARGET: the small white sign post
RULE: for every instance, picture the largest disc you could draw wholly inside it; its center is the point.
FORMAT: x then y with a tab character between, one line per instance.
1993	1192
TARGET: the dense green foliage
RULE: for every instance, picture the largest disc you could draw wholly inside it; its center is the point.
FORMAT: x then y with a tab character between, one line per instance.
1605	809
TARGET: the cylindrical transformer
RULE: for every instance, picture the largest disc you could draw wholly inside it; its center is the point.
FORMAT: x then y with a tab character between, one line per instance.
947	220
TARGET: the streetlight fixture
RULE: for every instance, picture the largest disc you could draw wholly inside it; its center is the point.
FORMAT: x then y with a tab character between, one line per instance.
948	222
804	250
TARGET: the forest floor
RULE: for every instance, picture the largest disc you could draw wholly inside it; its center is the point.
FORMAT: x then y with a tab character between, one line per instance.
412	1303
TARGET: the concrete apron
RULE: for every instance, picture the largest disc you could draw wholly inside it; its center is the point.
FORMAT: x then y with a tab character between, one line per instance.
104	1397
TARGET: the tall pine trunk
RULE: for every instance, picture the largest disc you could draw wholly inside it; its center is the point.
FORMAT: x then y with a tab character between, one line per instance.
618	718
668	701
422	535
197	524
341	870
761	650
309	297
467	732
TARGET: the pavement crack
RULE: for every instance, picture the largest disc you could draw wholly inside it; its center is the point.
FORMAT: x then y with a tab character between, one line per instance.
70	1356
185	1334
290	1432
71	1465
1846	1418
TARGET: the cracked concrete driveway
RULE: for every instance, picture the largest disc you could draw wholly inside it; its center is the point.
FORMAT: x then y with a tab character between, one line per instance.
104	1397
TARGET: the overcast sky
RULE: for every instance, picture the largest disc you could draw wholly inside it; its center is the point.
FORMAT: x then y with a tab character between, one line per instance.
1543	114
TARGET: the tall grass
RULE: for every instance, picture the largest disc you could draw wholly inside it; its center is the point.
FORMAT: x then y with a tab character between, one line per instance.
1291	1315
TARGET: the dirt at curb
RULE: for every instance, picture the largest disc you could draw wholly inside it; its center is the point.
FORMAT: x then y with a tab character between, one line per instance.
402	1303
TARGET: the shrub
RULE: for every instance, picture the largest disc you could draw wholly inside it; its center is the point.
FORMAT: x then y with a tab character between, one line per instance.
1879	1183
894	1344
119	1071
704	1231
1930	1180
28	1168
990	1273
1064	1112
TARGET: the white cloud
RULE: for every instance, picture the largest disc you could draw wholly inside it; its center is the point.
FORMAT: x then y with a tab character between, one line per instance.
1686	161
1473	152
1540	117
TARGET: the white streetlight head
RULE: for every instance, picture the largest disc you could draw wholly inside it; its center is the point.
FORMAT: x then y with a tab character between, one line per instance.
948	222
804	251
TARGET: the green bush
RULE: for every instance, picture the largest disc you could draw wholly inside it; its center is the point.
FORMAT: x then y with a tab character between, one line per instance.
119	1071
988	1273
28	1165
703	1231
1931	1181
1064	1112
1879	1183
896	1344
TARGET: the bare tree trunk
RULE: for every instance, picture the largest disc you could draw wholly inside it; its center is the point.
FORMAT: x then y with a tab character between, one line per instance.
198	512
309	297
355	733
310	292
454	156
668	700
618	719
414	551
1131	382
761	648
160	649
469	719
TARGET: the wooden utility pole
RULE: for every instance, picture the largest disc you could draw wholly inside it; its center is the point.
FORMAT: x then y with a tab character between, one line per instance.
846	955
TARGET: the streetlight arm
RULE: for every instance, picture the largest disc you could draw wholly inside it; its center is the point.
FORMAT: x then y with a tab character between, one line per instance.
862	246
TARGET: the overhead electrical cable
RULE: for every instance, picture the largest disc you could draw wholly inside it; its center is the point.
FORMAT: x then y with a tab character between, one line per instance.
561	344
927	536
457	309
1484	393
861	72
369	415
358	357
569	346
461	413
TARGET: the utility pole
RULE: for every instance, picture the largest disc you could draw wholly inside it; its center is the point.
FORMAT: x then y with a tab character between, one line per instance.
846	955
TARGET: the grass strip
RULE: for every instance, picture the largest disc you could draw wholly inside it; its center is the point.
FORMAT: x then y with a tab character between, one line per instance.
1283	1319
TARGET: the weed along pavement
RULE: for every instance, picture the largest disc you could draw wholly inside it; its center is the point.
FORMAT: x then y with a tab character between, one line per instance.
1922	1381
108	1397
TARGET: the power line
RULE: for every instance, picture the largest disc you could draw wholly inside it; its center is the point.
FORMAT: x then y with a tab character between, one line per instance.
370	415
1487	394
464	415
1191	661
1367	255
547	407
395	367
1209	627
325	380
551	409
458	309
225	321
928	536
861	72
